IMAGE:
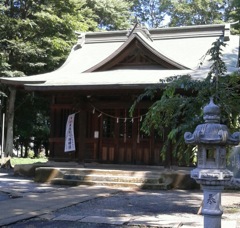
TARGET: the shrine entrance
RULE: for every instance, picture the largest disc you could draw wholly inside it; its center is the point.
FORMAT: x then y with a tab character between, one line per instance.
104	132
113	137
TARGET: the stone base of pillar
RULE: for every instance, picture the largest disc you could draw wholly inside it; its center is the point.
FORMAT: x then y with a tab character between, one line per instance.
212	221
212	208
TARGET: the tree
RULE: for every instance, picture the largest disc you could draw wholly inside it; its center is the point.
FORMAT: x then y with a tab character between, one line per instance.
29	47
37	35
186	12
111	14
178	109
233	15
152	13
196	12
31	121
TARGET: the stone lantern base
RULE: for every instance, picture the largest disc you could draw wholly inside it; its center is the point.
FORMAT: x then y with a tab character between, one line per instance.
212	208
212	182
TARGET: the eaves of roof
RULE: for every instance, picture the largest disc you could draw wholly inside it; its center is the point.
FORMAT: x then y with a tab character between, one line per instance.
118	78
186	52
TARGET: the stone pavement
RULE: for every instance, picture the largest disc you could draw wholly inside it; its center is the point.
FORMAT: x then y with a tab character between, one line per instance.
24	203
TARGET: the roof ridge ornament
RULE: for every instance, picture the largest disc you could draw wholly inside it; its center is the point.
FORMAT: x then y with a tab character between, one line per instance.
81	39
140	28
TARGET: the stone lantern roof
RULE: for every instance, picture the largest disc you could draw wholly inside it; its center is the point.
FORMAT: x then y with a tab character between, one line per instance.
212	132
211	113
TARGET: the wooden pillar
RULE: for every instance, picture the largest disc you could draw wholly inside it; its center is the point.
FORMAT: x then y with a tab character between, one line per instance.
135	140
82	134
116	139
151	148
52	127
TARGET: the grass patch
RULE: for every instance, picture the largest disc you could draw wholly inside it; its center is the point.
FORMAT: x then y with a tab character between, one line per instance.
19	161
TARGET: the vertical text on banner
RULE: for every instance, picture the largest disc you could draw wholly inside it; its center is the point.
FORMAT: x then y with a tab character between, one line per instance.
69	135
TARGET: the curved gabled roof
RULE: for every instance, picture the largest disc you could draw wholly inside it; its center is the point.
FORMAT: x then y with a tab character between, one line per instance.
137	49
117	60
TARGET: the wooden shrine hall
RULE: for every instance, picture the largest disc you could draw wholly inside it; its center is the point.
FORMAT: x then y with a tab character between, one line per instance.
101	79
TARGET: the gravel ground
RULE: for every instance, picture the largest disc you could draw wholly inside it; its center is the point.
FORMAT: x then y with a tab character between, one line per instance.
134	204
127	204
137	203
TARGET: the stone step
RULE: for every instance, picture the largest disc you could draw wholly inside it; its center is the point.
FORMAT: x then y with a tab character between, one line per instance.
152	179
160	186
115	178
111	172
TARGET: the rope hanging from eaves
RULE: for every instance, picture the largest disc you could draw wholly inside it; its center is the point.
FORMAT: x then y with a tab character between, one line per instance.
117	118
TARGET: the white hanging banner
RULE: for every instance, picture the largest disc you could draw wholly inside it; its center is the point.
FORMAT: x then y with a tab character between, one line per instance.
69	135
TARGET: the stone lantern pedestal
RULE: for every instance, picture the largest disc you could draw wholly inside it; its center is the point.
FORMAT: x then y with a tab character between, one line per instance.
211	173
212	208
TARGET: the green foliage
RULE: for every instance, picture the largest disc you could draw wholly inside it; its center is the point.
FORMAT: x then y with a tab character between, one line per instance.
233	15
218	67
178	108
31	119
42	155
197	12
111	14
30	154
36	36
187	12
151	12
21	161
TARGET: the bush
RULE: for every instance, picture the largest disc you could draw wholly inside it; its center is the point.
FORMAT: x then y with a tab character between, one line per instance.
30	154
18	161
41	154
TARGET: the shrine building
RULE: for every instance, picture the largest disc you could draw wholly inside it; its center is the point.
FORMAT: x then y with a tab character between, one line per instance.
104	74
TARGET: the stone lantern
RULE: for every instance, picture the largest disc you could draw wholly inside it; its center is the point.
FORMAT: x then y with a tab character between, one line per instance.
212	138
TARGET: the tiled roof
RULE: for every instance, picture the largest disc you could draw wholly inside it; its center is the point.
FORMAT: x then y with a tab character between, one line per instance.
183	47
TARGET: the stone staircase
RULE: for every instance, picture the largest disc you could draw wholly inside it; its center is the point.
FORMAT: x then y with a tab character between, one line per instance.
114	178
147	179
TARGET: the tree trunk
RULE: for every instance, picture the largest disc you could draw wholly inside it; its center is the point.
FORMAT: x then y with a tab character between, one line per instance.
26	149
9	122
168	161
21	150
